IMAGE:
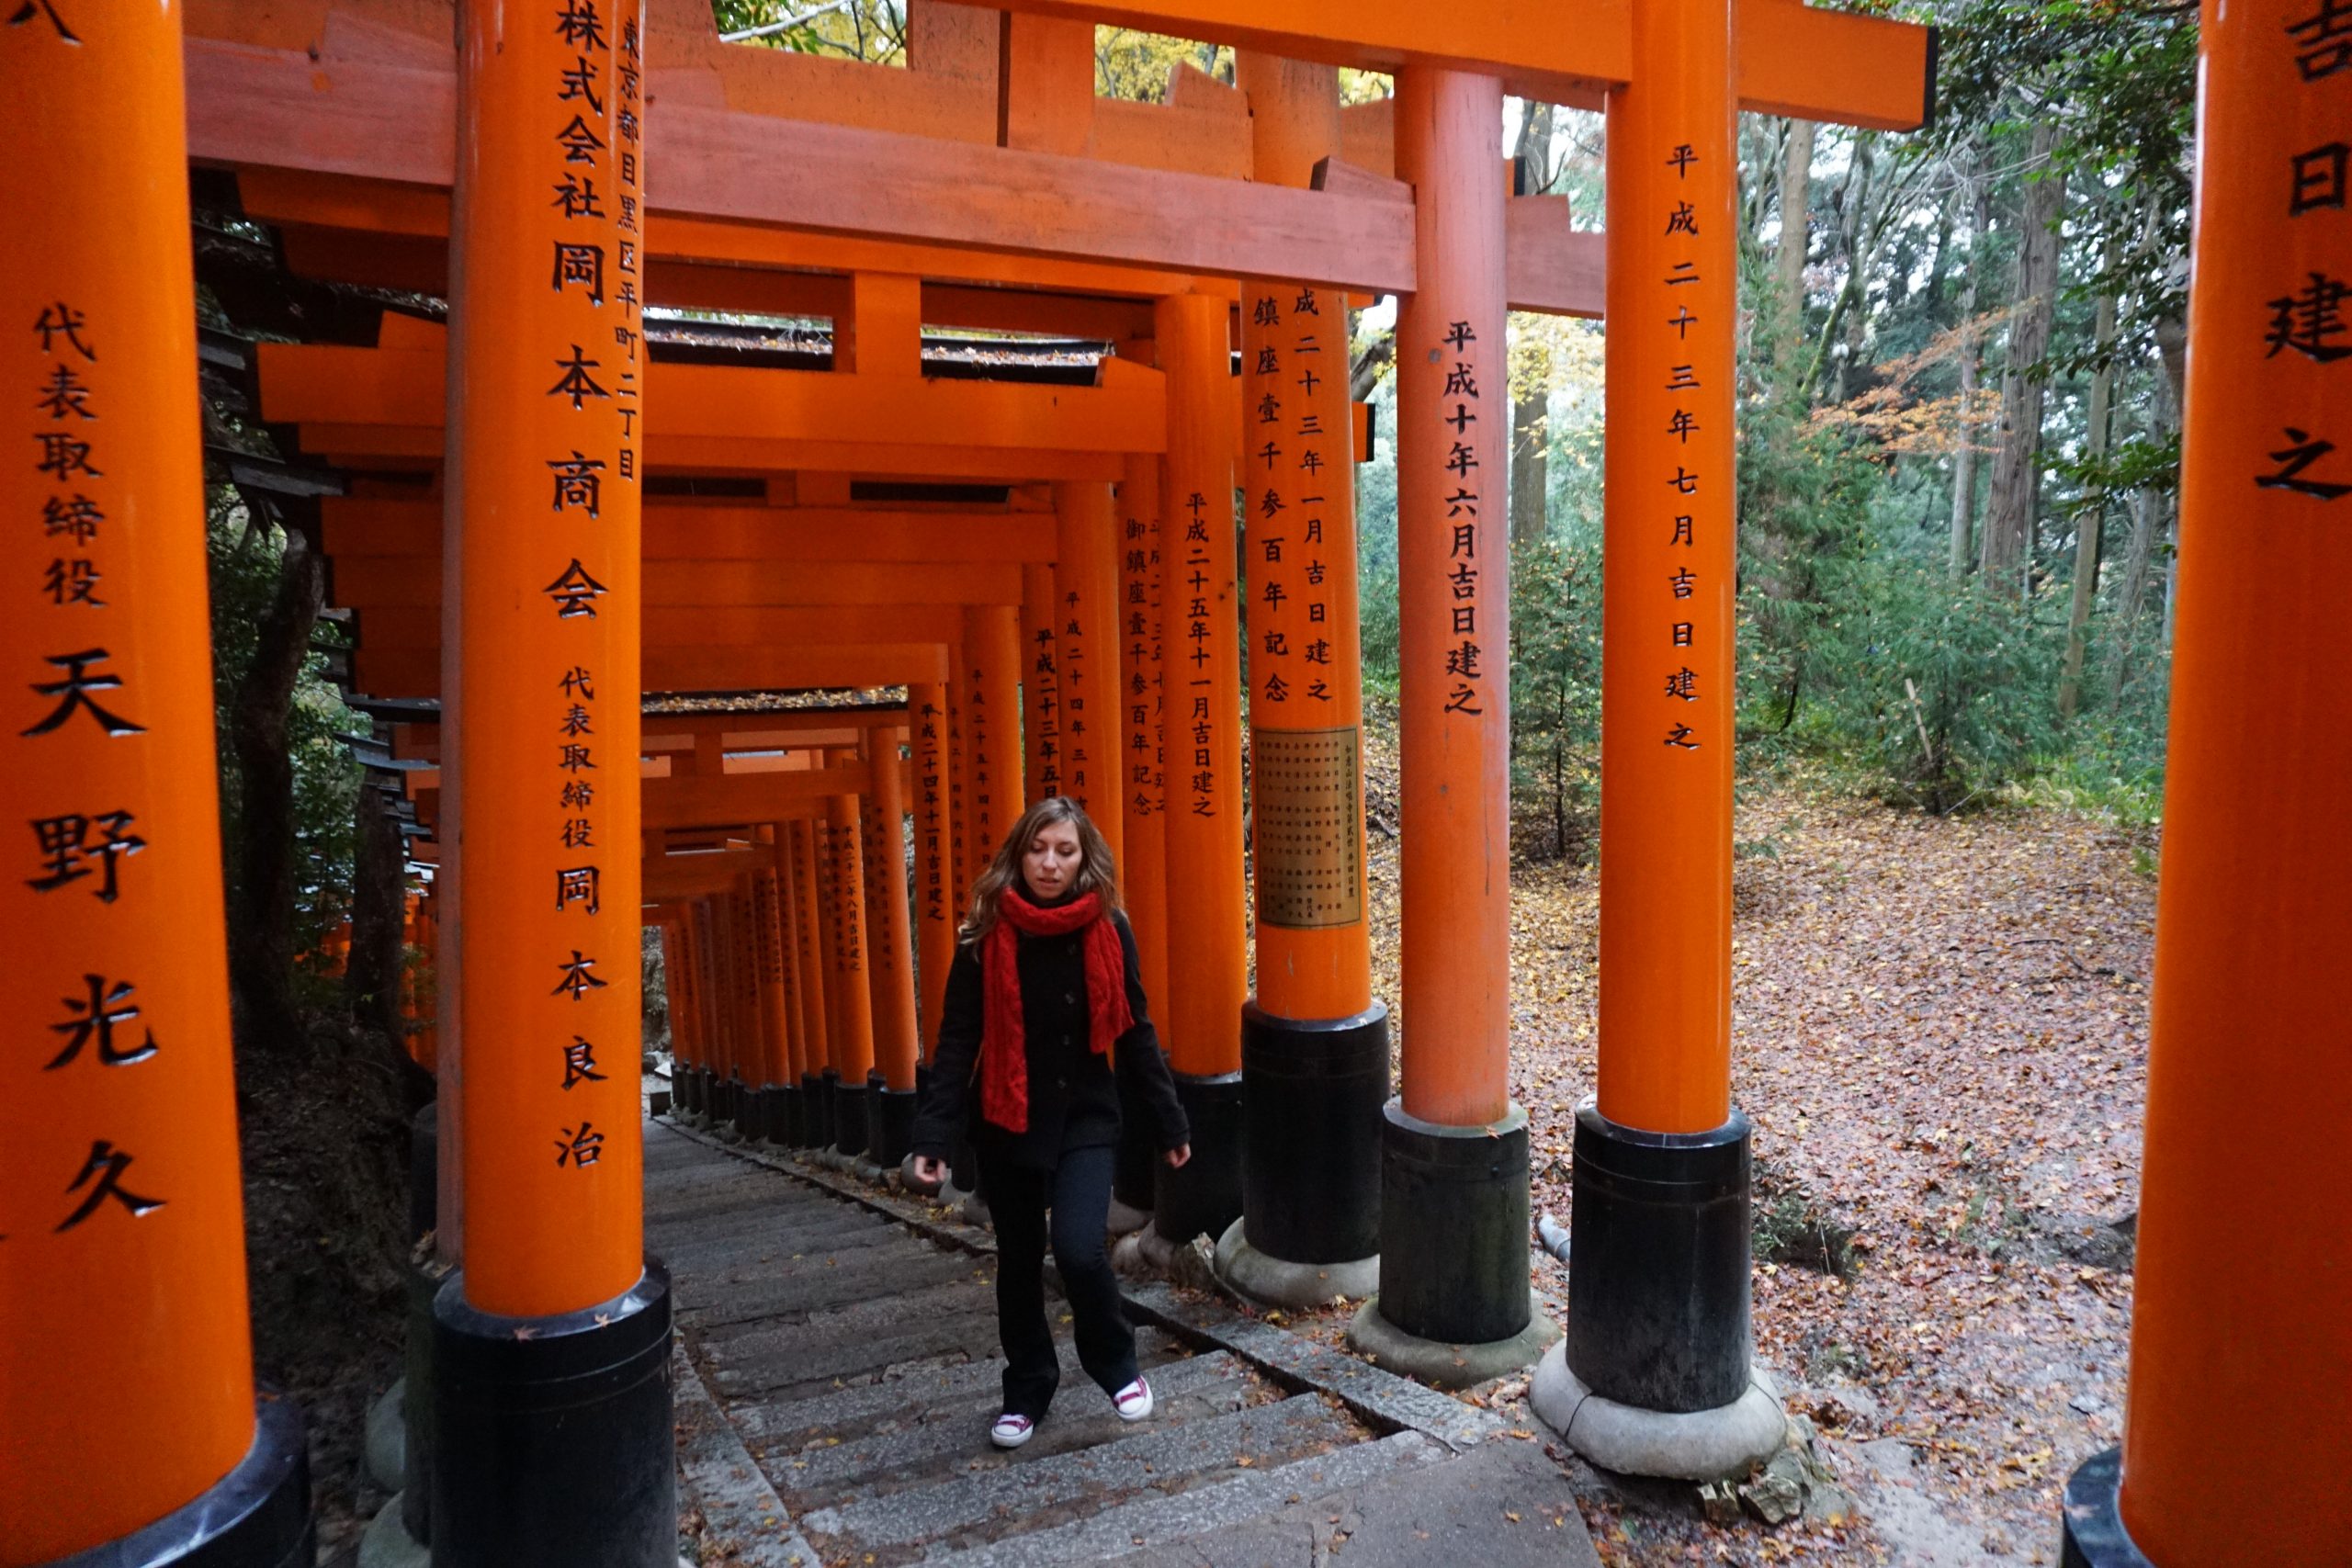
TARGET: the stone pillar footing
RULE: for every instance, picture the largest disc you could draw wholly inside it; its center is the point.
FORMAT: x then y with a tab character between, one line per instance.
1449	1364
1686	1445
1277	1282
1312	1090
553	1447
1658	1264
1124	1219
386	1543
1204	1197
2092	1533
257	1516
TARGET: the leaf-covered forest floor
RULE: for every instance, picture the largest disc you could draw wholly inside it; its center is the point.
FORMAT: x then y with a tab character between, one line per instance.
1941	1033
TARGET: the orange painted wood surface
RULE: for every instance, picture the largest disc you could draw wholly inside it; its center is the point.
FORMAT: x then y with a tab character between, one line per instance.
1143	869
889	942
1086	590
2235	1444
1453	570
736	406
815	956
1305	695
543	556
1041	686
1207	966
1668	595
126	1370
705	532
936	915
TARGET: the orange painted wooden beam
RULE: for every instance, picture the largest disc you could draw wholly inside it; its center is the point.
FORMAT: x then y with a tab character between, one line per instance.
368	582
701	533
391	626
1792	59
320	202
328	384
746	798
414	672
287	109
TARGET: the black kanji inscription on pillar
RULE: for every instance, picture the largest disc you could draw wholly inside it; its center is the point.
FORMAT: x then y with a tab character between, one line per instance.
107	1165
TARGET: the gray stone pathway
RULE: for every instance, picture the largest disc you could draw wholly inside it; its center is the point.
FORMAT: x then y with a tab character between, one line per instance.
838	1370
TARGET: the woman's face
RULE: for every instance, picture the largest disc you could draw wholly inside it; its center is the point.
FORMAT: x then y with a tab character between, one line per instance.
1050	862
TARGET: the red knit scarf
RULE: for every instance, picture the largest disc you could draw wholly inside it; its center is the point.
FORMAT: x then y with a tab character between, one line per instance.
1004	1056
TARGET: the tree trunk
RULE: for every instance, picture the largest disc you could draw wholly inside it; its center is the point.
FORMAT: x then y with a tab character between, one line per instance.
371	976
2016	463
2092	518
261	937
1531	424
1853	202
1796	213
1971	355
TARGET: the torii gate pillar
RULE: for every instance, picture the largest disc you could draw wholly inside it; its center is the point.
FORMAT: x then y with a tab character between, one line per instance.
1314	1044
1454	1306
2235	1440
552	1344
128	1429
1653	1378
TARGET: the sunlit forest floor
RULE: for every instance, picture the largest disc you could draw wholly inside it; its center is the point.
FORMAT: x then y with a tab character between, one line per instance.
1941	1033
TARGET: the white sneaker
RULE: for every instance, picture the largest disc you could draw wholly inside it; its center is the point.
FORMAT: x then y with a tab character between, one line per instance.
1011	1431
1133	1402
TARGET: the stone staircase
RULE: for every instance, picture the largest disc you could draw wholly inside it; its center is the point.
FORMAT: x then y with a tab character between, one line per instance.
838	1373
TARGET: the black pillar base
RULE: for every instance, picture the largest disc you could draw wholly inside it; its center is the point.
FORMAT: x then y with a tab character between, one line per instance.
554	1450
816	1111
1312	1096
851	1107
894	1126
720	1110
257	1516
784	1125
1206	1195
682	1091
1453	1227
2092	1533
750	1113
700	1078
1658	1264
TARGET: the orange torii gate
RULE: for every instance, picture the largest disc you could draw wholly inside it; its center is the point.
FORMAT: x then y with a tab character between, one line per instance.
466	177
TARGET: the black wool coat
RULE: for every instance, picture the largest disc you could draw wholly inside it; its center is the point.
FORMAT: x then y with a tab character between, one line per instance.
1076	1099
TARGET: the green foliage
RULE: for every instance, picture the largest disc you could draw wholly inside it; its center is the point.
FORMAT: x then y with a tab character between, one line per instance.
1555	697
244	563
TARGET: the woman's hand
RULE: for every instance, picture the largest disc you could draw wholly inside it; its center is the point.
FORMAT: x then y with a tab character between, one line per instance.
931	1172
1177	1155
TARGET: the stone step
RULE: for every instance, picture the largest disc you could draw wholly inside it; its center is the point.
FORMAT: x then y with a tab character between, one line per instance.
858	1321
852	1411
801	1370
1503	1504
1155	1518
773	1222
769	1296
729	1255
1055	1488
946	1436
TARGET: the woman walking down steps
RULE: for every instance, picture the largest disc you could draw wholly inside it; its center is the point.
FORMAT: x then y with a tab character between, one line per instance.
1044	1017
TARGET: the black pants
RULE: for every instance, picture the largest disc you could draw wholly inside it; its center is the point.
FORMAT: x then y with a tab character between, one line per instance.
1079	1194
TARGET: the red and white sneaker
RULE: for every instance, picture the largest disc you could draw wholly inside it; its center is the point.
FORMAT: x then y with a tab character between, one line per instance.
1133	1402
1011	1431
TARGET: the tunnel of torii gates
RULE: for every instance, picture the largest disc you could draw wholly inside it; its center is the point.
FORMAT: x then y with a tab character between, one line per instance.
555	507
